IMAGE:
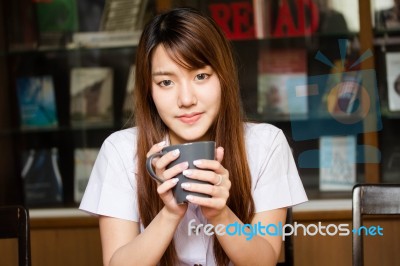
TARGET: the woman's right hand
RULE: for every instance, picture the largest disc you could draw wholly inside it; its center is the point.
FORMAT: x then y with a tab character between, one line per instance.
165	189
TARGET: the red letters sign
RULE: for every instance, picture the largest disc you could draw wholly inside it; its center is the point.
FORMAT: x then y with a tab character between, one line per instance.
237	19
285	19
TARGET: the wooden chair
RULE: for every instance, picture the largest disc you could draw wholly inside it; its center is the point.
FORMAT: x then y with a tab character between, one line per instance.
14	223
288	244
372	199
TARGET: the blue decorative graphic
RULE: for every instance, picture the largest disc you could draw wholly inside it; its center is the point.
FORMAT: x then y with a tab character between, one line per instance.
342	103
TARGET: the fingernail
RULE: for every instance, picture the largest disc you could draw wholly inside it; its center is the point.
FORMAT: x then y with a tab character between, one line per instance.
174	180
161	144
197	162
184	165
187	172
185	185
175	152
189	197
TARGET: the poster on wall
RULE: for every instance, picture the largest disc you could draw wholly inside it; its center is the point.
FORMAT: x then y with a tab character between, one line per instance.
91	96
41	178
84	159
337	157
276	67
36	101
393	80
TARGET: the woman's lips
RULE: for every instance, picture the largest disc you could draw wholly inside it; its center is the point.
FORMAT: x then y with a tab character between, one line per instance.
190	118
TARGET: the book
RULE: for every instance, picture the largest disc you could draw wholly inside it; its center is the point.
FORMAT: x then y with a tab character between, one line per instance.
390	160
122	15
36	99
120	24
105	39
84	159
41	178
386	18
393	80
276	67
337	160
21	29
57	20
91	96
90	13
128	106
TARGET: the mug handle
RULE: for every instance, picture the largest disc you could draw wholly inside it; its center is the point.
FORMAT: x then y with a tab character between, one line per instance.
149	166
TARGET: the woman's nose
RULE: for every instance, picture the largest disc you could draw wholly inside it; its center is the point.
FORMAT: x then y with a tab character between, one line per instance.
187	96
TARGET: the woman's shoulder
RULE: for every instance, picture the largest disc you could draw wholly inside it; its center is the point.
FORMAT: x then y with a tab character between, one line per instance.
123	137
263	137
261	132
121	145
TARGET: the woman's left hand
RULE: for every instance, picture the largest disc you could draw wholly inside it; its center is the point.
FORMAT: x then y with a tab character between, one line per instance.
213	172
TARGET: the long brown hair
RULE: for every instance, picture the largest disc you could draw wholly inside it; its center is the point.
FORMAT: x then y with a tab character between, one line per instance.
193	41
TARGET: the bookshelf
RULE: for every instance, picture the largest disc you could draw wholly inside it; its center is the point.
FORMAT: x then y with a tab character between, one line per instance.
386	33
38	58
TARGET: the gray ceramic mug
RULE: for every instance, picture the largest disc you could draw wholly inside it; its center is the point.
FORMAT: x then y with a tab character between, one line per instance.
189	152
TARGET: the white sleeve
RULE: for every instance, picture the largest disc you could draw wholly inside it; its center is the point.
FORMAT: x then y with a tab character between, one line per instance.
278	183
109	191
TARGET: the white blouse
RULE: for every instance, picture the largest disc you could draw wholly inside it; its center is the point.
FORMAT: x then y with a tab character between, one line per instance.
111	190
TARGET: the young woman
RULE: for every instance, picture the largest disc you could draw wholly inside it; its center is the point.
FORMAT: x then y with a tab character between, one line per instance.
187	90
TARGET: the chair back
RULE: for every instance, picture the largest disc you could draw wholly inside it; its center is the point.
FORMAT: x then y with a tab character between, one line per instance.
14	223
372	199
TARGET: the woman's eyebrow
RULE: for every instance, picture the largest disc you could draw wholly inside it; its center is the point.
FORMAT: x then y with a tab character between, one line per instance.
163	73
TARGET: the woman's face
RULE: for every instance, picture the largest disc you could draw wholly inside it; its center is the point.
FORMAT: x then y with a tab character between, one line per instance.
187	101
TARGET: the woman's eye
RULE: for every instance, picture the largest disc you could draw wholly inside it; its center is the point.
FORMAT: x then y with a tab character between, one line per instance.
202	76
165	83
